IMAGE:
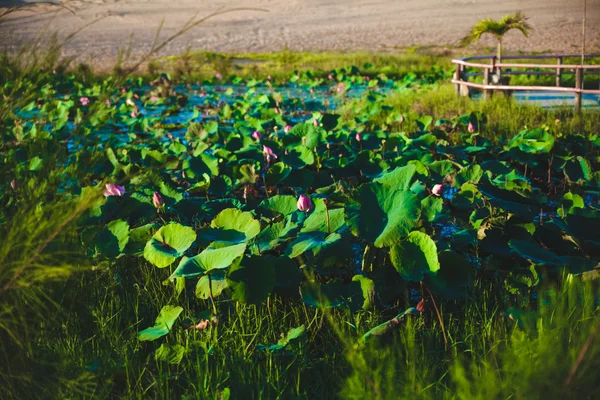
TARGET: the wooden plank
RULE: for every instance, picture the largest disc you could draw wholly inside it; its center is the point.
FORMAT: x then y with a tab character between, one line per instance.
558	71
522	88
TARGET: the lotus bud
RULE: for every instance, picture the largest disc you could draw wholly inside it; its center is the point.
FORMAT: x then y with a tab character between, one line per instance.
304	203
358	137
269	77
157	200
84	101
13	184
316	122
218	76
269	154
330	76
256	135
107	102
134	114
113	190
437	190
312	90
471	127
287	128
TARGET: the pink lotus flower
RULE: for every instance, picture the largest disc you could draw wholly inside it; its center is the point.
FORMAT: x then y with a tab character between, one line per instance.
287	128
304	203
330	76
153	99
123	90
358	137
157	200
471	127
113	190
218	76
256	135
437	190
269	77
134	114
316	122
107	102
269	154
84	101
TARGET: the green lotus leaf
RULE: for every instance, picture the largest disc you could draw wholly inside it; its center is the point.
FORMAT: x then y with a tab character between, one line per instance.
233	225
317	220
282	204
362	293
569	203
253	280
415	256
111	240
314	241
431	207
399	178
454	278
217	283
276	173
170	354
469	174
215	257
324	295
536	141
164	322
382	215
532	251
138	237
168	244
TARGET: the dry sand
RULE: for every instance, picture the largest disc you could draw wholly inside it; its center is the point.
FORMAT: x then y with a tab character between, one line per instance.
378	25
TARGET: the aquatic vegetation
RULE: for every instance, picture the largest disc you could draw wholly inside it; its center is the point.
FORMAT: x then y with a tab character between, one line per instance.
231	194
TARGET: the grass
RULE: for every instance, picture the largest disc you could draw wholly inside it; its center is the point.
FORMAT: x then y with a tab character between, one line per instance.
68	326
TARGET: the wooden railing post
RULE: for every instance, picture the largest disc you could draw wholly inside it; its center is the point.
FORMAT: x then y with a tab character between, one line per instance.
558	71
486	81
578	86
457	77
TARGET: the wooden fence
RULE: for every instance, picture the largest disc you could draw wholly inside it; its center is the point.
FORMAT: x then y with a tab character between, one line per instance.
493	70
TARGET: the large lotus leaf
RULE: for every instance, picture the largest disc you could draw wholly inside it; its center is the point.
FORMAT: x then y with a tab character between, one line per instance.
326	295
111	240
217	282
509	200
233	225
569	203
299	157
314	241
536	141
282	204
578	169
138	237
215	257
304	130
440	169
170	354
275	233
288	275
253	280
165	320
382	215
317	221
362	293
205	164
469	174
399	178
276	173
169	243
415	256
431	207
532	251
454	278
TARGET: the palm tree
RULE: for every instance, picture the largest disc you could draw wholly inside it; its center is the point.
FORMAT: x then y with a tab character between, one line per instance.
498	29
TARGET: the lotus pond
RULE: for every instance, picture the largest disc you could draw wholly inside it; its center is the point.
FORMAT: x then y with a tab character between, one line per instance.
292	238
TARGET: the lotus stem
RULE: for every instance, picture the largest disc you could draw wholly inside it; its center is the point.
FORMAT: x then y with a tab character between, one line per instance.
210	294
327	219
437	311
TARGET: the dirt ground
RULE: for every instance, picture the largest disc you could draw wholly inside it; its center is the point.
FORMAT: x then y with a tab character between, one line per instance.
315	25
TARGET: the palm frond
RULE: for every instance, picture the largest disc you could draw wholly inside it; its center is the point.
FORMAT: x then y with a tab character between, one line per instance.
497	28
